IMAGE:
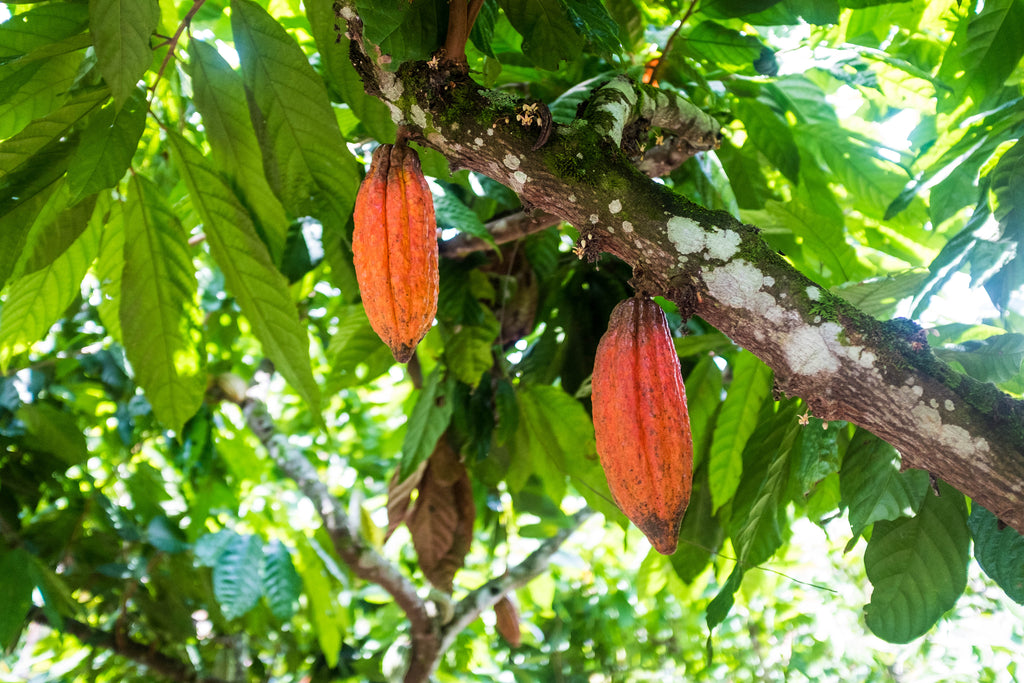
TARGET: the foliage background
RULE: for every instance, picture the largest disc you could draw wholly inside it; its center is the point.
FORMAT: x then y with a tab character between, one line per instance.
163	244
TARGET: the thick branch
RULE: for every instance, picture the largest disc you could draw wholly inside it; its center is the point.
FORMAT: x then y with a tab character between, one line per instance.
843	363
159	664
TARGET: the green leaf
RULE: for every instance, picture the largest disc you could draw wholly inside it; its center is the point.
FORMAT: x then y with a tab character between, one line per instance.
427	422
704	396
163	535
819	454
208	548
327	615
355	345
220	98
995	359
15	593
993	46
918	567
548	33
160	321
34	89
737	8
236	575
470	351
721	604
700	535
555	439
760	534
750	387
261	290
107	146
404	31
121	30
878	297
305	157
452	213
16	223
110	265
20	151
40	26
342	78
725	47
36	300
872	486
999	550
592	21
1007	187
772	135
54	431
281	583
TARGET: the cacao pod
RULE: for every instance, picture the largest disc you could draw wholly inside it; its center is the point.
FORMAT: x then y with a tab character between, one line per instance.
394	246
507	621
641	422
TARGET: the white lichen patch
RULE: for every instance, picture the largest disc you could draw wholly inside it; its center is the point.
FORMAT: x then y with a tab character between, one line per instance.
391	87
396	114
768	281
952	438
723	244
948	405
490	132
933	403
918	390
479	142
611	230
813	293
511	161
615	206
594	218
686	235
627	227
809	349
572	198
738	284
419	117
518	180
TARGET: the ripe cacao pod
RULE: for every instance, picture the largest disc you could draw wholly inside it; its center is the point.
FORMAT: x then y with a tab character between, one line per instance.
507	617
641	422
395	249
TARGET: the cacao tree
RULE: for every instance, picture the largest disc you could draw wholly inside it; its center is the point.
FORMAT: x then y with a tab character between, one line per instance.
212	467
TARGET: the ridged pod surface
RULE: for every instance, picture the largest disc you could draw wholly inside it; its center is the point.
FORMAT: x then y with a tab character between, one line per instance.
641	422
395	249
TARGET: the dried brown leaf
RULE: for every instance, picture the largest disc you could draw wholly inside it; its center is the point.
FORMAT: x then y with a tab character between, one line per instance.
400	498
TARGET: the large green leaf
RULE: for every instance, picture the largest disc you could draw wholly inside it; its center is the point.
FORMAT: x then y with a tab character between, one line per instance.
36	300
305	157
40	26
327	615
999	550
918	567
751	385
236	575
121	30
220	98
701	533
991	49
54	431
872	486
261	290
1007	187
110	265
107	146
725	47
281	583
470	351
427	422
548	33
33	89
160	320
704	396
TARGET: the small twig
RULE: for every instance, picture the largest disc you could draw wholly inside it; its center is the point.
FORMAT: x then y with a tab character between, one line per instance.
671	39
458	31
172	44
506	229
159	664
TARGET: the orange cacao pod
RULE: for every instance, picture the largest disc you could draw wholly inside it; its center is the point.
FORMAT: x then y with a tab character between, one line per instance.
641	422
395	249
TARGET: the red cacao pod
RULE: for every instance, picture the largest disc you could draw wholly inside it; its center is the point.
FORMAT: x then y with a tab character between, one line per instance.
641	422
395	249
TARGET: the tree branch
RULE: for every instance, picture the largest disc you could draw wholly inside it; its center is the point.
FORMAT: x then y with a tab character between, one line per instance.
363	560
165	667
846	365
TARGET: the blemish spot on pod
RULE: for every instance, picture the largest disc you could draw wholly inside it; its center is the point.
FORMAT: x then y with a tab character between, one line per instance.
394	247
641	422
